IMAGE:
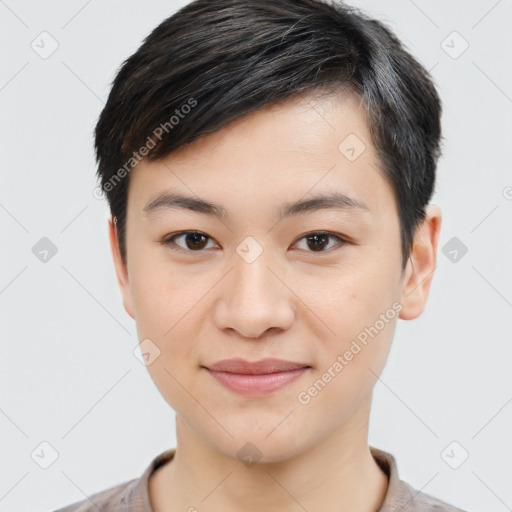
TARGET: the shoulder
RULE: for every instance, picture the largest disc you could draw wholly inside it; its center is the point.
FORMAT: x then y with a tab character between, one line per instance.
129	496
401	496
425	502
111	499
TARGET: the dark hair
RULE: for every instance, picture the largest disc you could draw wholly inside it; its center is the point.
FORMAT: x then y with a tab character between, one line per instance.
215	61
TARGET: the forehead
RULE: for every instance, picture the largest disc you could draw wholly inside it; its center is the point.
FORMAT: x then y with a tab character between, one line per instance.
307	144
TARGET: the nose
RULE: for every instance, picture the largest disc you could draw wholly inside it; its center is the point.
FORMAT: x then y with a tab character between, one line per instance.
254	299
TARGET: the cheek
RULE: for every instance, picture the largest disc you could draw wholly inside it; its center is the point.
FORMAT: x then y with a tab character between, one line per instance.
166	309
163	296
346	300
350	360
358	312
166	314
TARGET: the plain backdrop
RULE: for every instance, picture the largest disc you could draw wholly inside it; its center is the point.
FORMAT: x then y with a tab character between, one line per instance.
68	375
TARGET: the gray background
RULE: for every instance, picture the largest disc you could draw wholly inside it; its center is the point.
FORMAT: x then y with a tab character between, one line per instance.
68	376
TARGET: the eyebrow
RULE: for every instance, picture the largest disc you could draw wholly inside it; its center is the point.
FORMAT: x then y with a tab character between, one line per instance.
331	201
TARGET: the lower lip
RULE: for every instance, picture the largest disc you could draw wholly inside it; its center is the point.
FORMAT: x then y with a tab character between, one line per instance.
256	385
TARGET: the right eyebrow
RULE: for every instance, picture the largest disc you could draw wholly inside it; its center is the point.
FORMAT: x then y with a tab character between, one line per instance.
181	202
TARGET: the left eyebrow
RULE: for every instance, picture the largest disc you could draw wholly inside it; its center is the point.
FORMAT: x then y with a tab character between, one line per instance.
334	201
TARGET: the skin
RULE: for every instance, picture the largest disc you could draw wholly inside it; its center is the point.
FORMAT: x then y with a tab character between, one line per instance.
292	303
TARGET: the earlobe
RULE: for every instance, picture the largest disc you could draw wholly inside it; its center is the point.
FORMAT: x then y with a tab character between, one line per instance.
421	265
121	268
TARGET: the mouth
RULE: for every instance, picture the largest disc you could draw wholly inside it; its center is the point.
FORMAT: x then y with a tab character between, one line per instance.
257	378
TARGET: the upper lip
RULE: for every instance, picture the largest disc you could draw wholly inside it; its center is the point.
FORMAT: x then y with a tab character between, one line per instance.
264	366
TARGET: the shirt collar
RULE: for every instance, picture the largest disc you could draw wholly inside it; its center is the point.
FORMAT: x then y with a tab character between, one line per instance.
399	495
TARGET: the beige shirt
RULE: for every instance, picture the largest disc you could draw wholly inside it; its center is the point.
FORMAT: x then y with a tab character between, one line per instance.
133	495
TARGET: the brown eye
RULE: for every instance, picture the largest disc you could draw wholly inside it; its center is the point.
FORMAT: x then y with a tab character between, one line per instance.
318	241
192	241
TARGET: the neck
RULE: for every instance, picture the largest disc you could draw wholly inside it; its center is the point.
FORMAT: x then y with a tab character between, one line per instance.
338	474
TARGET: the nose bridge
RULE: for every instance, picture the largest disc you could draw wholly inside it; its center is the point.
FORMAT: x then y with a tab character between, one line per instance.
251	261
254	298
254	278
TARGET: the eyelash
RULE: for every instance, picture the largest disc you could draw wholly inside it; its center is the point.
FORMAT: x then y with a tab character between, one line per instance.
168	241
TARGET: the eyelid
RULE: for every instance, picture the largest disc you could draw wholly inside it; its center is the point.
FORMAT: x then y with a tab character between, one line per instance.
167	241
341	240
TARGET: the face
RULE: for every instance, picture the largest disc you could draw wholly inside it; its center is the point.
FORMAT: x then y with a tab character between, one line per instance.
319	285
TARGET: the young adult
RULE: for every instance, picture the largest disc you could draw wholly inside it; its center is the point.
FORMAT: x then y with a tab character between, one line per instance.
269	167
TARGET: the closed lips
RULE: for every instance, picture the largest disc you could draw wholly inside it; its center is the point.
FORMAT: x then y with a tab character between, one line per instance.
258	378
262	367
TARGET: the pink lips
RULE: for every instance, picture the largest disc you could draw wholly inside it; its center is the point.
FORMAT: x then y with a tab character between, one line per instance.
255	378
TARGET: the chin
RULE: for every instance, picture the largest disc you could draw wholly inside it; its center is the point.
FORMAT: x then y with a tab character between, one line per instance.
247	445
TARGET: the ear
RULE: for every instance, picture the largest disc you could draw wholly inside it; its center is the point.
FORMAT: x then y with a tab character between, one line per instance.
420	267
121	268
